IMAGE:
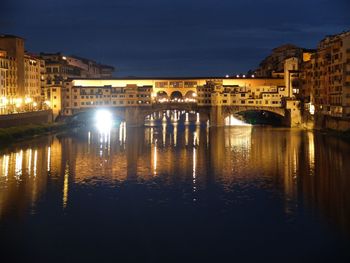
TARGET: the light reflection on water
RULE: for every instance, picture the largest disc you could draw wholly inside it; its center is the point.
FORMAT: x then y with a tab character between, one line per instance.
306	171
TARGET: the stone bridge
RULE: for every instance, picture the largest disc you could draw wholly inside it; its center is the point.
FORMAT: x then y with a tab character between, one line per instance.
134	116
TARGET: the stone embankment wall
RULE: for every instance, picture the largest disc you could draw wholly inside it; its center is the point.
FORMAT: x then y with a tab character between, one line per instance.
331	122
19	119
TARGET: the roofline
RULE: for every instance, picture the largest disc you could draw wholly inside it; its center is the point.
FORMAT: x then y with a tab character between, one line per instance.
172	78
11	36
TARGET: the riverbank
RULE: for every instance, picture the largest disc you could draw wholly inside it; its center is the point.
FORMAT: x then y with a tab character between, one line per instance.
12	134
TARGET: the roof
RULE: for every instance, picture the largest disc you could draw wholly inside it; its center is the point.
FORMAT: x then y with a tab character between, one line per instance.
285	46
10	36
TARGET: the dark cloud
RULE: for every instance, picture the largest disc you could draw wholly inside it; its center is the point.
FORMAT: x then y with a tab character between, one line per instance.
165	37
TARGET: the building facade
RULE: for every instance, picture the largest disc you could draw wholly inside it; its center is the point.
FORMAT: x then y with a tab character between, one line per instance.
326	76
32	78
14	46
274	64
3	80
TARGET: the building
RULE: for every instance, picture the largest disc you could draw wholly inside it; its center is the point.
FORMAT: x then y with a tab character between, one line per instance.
3	80
326	76
80	94
14	46
32	79
273	64
59	68
21	76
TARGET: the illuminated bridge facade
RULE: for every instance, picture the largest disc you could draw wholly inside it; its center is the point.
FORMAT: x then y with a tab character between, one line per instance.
213	98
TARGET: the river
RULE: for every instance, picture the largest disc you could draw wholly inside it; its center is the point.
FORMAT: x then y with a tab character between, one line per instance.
176	194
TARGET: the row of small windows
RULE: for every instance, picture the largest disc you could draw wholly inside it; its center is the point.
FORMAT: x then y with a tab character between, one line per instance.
252	102
108	102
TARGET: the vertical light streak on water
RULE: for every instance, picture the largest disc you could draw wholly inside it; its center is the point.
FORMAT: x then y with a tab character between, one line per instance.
19	163
151	135
35	163
186	135
48	158
29	154
155	158
194	138
198	132
120	133
175	135
207	132
5	165
124	132
65	186
109	143
194	171
311	143
164	133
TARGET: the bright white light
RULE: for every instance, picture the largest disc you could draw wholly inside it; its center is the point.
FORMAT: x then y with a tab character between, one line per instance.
104	120
227	76
232	121
312	109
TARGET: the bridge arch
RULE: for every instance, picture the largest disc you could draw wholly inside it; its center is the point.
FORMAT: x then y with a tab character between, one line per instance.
162	96
256	116
176	95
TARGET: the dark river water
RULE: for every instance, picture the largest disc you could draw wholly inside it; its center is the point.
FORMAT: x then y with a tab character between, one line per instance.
183	194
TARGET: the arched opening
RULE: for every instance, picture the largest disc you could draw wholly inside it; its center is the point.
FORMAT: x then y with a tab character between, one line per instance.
235	120
262	117
190	96
162	96
176	96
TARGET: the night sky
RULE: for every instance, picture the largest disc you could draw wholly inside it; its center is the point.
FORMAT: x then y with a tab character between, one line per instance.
172	38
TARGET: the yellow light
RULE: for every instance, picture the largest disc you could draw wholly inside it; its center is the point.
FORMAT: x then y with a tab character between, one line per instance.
35	104
47	103
4	100
312	109
27	100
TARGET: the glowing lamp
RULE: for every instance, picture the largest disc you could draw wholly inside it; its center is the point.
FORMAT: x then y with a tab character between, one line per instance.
103	120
